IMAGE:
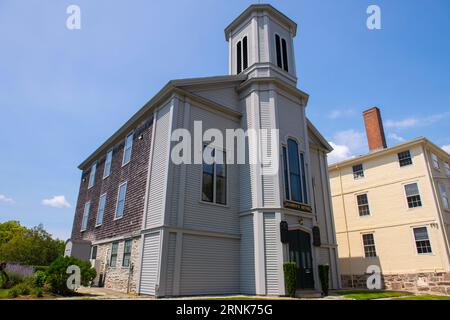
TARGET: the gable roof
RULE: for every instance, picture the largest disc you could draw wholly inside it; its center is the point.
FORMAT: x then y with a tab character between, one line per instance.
320	140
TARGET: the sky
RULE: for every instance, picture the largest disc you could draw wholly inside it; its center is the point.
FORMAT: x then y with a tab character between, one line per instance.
64	92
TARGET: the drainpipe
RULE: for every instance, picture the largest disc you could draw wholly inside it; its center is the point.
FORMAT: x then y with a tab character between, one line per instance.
346	227
130	271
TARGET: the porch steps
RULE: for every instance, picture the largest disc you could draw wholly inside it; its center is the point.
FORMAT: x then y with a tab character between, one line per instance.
308	294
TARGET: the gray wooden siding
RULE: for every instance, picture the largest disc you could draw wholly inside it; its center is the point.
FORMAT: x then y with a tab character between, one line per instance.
225	96
209	265
150	263
247	256
271	254
170	271
159	167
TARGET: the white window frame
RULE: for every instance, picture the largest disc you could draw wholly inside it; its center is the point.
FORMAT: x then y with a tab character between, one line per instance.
368	204
242	53
110	164
364	247
227	190
85	218
111	254
429	239
444	195
410	158
124	200
435	161
406	196
125	148
305	192
281	52
447	168
92	173
98	210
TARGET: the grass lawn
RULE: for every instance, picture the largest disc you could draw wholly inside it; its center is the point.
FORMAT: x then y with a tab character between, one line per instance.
3	293
370	295
239	298
424	297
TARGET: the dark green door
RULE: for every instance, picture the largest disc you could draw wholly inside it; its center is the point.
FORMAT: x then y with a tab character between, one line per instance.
300	253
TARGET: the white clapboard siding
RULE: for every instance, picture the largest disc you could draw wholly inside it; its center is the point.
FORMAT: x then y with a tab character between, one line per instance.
209	265
247	256
271	254
150	263
170	271
159	167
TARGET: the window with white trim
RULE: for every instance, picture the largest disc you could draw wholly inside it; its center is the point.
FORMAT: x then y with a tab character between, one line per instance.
120	207
92	175
114	251
214	176
363	205
447	168
241	55
84	221
295	179
108	162
413	195
423	244
127	149
127	253
369	245
435	161
101	209
404	158
94	252
358	171
444	196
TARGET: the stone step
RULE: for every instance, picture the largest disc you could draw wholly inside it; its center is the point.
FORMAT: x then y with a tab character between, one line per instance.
308	294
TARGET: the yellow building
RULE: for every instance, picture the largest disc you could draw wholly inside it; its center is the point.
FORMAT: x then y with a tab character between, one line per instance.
391	209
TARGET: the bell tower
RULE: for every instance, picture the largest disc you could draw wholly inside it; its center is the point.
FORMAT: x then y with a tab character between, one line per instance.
260	44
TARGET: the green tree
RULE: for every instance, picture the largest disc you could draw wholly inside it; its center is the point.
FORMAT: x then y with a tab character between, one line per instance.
33	246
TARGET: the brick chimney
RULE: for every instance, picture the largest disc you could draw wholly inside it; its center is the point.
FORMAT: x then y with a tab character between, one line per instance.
374	129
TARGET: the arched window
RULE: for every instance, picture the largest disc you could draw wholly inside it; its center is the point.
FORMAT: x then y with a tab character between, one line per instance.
278	49
295	182
239	57
281	53
242	55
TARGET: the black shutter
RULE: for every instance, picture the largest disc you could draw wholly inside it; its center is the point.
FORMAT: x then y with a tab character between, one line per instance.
316	236
284	229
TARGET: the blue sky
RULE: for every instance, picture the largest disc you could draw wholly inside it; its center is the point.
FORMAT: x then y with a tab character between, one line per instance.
63	92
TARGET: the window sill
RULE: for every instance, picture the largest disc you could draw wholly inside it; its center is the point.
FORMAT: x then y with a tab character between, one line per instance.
124	164
98	225
117	218
214	204
366	216
105	177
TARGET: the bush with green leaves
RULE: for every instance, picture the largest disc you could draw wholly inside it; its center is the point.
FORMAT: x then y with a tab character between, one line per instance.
56	279
39	279
290	277
38	292
324	278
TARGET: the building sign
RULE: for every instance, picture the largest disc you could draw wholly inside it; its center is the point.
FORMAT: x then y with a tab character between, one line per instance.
298	206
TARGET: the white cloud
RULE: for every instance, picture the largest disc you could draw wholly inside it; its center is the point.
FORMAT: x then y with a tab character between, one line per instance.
416	122
396	137
346	145
338	113
56	202
446	148
6	199
339	153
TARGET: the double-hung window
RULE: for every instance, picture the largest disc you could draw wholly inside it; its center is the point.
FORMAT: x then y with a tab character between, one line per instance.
423	244
101	209
114	250
120	206
92	175
127	149
363	205
369	245
444	196
84	221
295	180
94	252
358	171
413	195
214	179
404	158
108	162
127	253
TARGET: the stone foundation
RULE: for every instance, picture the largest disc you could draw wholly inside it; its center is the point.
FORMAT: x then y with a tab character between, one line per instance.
118	278
429	282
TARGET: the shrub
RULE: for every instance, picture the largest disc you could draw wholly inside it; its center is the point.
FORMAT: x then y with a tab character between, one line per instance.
40	268
39	279
56	278
13	293
12	280
290	277
38	292
324	277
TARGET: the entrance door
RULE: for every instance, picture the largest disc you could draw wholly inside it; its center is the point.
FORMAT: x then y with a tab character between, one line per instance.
300	253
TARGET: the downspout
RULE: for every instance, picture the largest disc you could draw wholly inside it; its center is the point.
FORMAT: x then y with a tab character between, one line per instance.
130	271
346	227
